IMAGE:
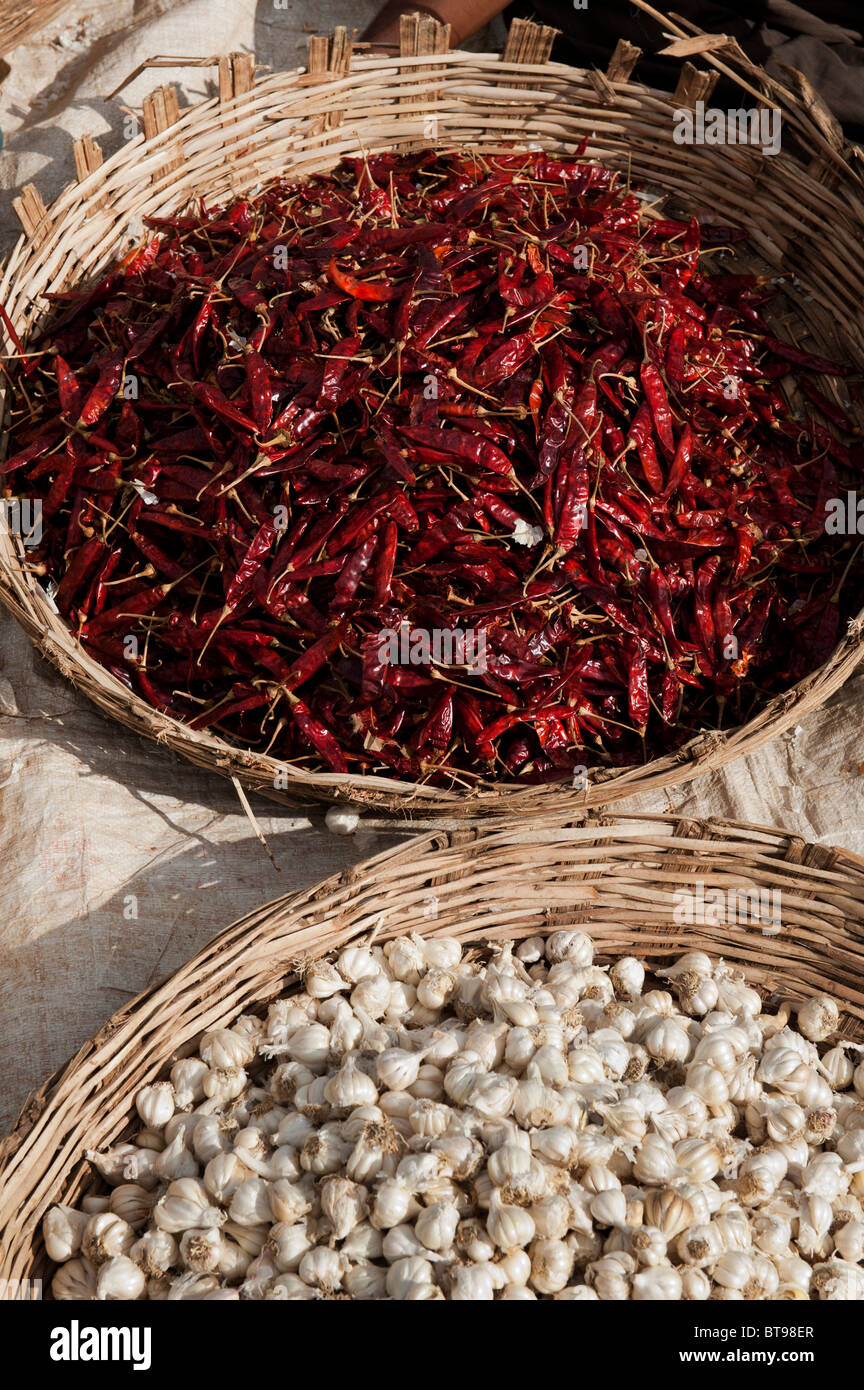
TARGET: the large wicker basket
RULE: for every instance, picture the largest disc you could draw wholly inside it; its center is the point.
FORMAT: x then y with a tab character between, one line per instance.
491	881
805	209
18	21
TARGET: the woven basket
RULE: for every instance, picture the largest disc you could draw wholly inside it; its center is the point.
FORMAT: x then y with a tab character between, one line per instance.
805	209
18	21
495	881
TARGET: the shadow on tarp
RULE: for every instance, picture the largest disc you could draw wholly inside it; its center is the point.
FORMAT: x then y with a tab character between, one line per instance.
157	920
58	987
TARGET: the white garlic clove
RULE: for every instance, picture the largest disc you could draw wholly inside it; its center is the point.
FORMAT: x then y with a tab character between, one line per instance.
350	1086
155	1104
224	1048
105	1236
322	1268
344	1203
322	979
185	1206
658	1284
119	1278
63	1230
818	1018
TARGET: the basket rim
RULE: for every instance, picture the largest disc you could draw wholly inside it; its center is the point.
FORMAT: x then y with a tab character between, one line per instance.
19	23
593	872
287	782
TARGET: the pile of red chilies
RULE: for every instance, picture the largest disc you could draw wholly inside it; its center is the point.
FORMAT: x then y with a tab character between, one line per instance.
486	395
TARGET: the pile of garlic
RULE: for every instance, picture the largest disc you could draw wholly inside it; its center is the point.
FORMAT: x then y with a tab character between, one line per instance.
426	1123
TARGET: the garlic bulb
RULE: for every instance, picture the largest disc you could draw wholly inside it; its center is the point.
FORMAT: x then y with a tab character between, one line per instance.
371	996
75	1281
405	959
310	1045
350	1086
574	946
322	980
366	1281
187	1079
668	1211
322	1268
393	1203
120	1278
250	1204
201	1251
226	1048
511	1125
132	1203
627	977
837	1069
344	1203
436	1226
406	1274
155	1104
472	1282
105	1236
186	1205
818	1018
398	1069
63	1231
667	1041
155	1253
695	1284
662	1282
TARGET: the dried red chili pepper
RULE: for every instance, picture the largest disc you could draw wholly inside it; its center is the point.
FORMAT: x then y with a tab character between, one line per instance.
658	404
574	502
675	357
352	572
832	412
260	389
681	462
788	353
384	563
112	619
358	289
314	657
83	562
640	435
670	697
316	457
723	624
106	388
637	690
68	389
321	738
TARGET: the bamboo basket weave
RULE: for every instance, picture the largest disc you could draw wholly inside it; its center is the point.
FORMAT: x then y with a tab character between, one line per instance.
18	21
804	207
492	880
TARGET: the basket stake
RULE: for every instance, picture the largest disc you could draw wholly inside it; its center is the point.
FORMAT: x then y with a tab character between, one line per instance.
419	35
32	214
242	73
528	42
236	77
329	58
694	85
88	158
623	61
159	111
